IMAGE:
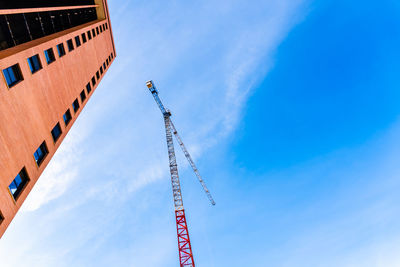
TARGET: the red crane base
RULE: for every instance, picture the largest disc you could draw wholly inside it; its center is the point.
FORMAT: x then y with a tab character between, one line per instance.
185	249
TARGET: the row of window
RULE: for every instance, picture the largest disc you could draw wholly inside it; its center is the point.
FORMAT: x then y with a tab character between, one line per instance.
22	178
13	74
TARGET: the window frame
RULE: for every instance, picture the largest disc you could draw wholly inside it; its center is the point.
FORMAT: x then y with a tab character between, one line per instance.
84	96
70	45
45	150
20	187
75	103
46	53
55	138
68	115
31	63
1	217
77	41
61	50
84	40
88	88
17	74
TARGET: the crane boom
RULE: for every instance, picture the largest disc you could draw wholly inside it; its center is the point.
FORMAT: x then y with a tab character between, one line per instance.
184	246
164	111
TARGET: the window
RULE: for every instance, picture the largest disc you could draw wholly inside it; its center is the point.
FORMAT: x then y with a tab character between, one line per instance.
77	41
88	88
75	105
112	56
83	96
12	75
83	37
97	30
61	50
67	117
41	153
93	81
101	28
1	217
89	35
107	61
97	75
56	132
34	63
70	45
17	185
106	26
94	33
109	58
104	65
49	54
101	70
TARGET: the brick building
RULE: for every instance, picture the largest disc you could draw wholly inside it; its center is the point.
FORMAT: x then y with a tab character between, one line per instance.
53	54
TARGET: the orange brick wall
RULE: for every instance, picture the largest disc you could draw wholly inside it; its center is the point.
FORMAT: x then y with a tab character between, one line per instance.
30	109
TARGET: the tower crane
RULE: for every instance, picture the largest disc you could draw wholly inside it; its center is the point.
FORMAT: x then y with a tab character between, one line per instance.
184	246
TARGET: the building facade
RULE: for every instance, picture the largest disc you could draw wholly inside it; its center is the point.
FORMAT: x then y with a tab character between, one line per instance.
53	55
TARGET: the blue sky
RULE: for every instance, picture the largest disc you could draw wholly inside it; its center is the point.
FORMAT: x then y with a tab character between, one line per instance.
290	109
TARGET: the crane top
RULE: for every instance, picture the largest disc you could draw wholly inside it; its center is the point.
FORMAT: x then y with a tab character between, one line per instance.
154	92
151	87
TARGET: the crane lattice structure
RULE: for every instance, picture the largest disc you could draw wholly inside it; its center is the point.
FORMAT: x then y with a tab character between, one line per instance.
184	246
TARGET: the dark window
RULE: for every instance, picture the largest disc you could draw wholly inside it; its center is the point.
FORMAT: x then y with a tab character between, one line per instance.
75	105
16	29
34	63
106	26
1	217
61	50
77	41
83	37
88	88
67	117
93	81
83	96
49	54
70	45
97	75
109	58
107	61
101	69
17	185
41	153
112	55
89	35
94	33
56	132
13	75
101	28
97	30
104	65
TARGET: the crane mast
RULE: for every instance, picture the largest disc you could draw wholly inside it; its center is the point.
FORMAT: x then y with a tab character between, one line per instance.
184	246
